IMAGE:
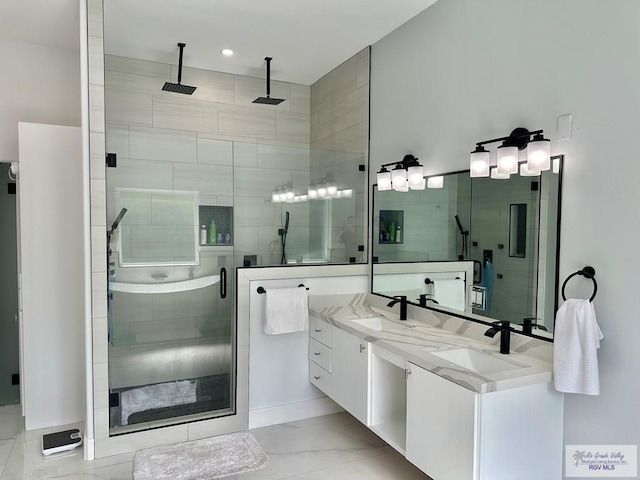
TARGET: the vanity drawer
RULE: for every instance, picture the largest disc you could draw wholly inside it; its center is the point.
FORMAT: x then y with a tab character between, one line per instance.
319	377
320	330
320	354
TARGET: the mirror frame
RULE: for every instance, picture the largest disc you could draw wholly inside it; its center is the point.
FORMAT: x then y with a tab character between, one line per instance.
472	316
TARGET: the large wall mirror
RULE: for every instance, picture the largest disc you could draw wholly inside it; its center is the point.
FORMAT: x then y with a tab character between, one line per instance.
491	242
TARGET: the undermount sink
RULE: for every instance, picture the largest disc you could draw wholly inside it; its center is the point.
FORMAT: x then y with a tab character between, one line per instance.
478	361
377	323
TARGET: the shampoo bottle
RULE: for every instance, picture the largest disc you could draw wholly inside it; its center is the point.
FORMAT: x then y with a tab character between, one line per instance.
398	234
203	234
392	233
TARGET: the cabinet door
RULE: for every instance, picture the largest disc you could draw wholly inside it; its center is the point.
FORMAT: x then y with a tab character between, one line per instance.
441	426
350	373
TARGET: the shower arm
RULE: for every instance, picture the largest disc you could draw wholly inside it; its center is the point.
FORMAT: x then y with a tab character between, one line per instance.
181	45
268	60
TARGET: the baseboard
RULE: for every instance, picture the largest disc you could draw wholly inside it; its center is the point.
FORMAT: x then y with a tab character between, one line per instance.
289	412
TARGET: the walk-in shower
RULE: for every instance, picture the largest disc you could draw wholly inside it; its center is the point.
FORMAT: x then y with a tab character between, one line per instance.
170	319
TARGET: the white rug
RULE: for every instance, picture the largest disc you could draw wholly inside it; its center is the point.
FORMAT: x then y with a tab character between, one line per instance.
208	458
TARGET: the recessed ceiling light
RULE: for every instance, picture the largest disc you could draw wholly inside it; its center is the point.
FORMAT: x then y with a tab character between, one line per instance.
227	52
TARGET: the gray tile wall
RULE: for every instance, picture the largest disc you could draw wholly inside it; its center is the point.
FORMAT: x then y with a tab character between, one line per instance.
216	142
339	143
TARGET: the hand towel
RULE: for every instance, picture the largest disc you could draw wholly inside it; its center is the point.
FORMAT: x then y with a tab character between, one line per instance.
576	340
286	310
450	293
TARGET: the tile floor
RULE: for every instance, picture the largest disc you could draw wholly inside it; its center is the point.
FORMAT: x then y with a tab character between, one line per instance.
330	447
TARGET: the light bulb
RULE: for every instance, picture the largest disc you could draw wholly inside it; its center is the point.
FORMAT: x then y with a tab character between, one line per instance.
479	162
499	176
507	160
525	172
435	182
383	178
539	154
415	175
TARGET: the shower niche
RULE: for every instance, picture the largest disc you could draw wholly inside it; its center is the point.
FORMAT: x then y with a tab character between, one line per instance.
216	226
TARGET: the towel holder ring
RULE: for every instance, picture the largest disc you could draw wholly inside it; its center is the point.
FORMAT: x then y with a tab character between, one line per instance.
586	272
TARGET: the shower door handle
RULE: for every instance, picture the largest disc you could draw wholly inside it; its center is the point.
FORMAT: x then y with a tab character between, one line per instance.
223	282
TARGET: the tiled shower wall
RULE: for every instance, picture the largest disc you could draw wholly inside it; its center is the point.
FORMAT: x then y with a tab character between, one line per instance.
215	142
339	147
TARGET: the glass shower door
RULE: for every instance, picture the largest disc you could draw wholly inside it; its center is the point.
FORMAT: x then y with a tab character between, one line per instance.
171	329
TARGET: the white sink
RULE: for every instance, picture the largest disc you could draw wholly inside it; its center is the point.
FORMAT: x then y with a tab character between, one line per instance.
377	323
478	361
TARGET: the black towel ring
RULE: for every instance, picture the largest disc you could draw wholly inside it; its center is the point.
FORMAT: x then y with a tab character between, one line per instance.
586	272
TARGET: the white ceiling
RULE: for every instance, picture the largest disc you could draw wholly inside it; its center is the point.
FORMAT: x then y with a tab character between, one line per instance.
306	38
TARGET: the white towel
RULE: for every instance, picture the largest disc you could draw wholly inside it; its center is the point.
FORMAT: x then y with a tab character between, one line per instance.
449	293
286	310
576	340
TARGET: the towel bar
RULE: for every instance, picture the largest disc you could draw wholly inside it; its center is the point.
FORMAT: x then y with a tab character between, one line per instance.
586	272
261	289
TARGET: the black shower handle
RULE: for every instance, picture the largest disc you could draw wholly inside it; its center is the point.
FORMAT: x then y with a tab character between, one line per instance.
223	282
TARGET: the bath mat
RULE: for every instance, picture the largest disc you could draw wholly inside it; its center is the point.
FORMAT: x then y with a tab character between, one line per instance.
209	458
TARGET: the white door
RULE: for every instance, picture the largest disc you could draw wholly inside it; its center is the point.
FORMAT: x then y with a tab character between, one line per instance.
441	426
350	373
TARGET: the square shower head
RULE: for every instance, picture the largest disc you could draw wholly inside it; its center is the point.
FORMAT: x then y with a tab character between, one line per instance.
178	88
268	100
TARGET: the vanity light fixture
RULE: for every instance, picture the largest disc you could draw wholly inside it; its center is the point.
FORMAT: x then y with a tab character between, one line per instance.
407	174
538	154
325	188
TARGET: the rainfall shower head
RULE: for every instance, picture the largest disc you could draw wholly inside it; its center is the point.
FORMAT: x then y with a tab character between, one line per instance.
178	87
268	100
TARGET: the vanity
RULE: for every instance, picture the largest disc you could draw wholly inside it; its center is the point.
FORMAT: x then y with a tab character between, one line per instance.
439	392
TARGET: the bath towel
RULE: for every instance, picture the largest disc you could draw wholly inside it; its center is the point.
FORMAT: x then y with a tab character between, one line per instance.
286	310
487	281
575	343
450	293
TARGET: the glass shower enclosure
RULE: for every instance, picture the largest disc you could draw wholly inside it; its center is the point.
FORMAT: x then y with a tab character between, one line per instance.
170	326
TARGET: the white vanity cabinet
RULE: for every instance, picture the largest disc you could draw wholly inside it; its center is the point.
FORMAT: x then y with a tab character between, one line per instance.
454	433
320	354
350	373
441	426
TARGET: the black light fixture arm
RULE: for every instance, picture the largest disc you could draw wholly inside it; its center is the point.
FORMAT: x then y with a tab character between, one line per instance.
407	161
519	137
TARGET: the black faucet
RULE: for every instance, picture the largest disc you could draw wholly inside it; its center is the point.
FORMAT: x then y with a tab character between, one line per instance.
424	298
505	334
528	324
402	299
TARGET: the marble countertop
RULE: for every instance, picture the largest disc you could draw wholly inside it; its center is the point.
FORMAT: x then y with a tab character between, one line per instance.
414	339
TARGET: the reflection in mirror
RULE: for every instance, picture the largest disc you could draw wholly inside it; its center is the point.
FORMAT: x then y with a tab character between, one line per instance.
508	229
437	284
425	218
